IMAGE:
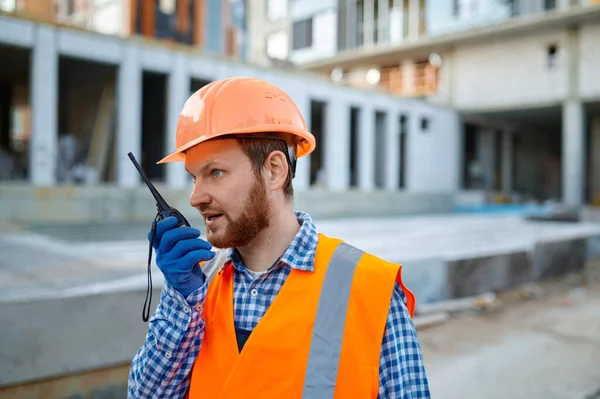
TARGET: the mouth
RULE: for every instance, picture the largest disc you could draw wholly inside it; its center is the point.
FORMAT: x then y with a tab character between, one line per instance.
213	217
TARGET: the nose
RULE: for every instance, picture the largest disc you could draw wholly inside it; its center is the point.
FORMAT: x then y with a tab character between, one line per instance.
199	196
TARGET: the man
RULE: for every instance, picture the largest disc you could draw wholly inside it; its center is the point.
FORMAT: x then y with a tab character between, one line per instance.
284	311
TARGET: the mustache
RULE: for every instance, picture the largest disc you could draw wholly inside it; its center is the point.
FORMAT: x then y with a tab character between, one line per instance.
209	210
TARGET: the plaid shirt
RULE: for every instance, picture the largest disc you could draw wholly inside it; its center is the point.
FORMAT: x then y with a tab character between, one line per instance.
161	368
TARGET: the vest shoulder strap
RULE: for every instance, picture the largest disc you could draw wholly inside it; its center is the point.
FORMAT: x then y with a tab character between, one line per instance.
211	267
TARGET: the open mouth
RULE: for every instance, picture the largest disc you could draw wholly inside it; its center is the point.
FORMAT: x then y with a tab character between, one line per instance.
214	217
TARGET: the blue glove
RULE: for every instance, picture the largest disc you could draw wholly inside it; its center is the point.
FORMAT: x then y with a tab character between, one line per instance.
178	251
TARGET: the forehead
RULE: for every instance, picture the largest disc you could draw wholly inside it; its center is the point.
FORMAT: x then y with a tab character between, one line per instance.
213	150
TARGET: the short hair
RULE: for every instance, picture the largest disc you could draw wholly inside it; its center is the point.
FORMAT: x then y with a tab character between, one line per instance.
259	149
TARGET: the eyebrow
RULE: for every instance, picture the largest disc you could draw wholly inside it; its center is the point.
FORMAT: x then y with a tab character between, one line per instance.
210	164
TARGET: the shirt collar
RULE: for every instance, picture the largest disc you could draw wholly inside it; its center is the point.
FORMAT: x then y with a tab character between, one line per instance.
300	254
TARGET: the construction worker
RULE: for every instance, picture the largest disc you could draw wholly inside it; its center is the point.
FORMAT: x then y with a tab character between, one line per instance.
282	311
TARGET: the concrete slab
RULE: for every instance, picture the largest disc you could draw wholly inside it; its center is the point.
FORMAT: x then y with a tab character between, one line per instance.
82	289
559	257
474	276
43	338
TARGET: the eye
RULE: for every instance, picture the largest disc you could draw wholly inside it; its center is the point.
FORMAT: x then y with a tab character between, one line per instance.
193	177
216	172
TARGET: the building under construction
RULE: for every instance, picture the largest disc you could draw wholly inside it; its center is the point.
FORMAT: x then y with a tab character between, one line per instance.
75	102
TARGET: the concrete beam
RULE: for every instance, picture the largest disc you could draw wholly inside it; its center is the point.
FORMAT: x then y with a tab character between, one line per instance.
14	33
86	45
516	27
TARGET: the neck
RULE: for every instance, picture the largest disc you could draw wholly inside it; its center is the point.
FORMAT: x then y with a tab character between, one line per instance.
267	247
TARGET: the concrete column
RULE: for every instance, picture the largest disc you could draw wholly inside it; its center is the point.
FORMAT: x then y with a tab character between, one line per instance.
178	91
383	22
396	23
302	179
413	19
594	179
573	152
366	143
507	160
573	130
486	155
413	165
44	109
369	22
392	152
337	145
351	33
129	120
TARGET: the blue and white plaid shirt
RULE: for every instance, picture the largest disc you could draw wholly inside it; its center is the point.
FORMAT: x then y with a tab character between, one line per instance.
161	368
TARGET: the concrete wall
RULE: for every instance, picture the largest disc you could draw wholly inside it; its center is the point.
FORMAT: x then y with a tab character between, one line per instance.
441	19
259	27
589	50
440	140
110	17
509	72
324	14
512	72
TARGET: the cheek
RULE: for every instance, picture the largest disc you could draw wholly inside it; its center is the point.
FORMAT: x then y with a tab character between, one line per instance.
234	195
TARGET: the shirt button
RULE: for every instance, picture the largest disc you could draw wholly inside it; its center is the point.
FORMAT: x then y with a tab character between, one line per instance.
198	307
168	355
186	309
254	292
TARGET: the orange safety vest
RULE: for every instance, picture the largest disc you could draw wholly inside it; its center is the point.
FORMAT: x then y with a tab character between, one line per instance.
320	338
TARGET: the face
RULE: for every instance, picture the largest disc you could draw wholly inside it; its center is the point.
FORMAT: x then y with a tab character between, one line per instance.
229	195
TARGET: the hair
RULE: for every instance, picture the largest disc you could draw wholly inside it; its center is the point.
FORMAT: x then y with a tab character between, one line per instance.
258	150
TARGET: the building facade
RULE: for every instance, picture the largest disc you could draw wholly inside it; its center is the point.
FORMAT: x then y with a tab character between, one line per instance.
521	73
212	25
269	33
112	95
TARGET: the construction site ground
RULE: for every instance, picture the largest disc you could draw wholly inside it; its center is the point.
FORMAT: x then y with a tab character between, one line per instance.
540	341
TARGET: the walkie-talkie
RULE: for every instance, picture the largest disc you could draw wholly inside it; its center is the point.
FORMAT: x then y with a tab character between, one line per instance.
163	211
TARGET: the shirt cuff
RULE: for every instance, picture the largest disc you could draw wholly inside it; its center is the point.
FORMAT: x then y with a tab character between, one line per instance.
176	309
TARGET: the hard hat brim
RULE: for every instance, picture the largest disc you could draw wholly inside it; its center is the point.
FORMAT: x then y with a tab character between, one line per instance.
305	142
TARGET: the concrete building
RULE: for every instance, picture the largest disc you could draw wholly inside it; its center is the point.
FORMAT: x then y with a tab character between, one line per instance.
96	97
523	75
269	33
184	21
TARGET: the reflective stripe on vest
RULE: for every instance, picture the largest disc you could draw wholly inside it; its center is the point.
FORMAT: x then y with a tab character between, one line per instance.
328	331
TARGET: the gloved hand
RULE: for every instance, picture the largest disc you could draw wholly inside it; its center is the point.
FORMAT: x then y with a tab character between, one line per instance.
178	251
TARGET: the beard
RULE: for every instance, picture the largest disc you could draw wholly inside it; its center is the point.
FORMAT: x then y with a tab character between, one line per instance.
253	219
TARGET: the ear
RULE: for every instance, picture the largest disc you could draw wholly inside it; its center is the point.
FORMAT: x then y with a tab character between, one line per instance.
277	167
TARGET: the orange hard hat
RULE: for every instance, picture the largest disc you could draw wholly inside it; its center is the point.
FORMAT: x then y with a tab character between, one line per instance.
242	107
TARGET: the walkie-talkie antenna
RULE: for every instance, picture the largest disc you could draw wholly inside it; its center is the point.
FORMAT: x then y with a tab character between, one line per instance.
161	204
